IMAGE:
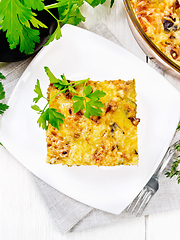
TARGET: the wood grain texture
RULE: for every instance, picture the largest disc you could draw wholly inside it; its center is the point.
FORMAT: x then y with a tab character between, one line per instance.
23	213
115	231
163	226
116	21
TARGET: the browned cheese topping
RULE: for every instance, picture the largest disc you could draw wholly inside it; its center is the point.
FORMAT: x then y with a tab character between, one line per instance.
106	140
160	21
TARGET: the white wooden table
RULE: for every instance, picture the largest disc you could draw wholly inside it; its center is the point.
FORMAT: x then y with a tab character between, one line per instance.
23	214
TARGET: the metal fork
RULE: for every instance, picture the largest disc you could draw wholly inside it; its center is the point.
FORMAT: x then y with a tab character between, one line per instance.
141	201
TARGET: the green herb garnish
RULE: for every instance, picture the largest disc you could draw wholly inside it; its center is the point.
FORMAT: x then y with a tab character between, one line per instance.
3	106
20	22
173	171
92	105
89	101
174	168
47	114
16	18
2	76
62	84
111	4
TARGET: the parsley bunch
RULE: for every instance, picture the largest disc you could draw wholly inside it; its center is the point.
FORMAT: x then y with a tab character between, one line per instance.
19	20
3	106
174	168
51	115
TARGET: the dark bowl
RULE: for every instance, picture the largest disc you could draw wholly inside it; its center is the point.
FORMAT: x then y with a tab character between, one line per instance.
8	55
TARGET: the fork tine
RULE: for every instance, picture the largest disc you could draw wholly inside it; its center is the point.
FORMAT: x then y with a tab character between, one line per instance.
135	202
144	203
140	202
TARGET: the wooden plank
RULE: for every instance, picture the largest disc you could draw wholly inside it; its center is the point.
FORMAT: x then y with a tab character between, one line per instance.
163	226
127	229
23	213
116	21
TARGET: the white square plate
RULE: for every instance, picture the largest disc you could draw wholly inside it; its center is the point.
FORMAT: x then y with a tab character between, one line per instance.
81	54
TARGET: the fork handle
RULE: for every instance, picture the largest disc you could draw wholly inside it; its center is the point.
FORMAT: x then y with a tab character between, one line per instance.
169	153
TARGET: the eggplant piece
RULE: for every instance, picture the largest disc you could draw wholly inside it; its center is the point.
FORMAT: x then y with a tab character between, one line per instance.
169	25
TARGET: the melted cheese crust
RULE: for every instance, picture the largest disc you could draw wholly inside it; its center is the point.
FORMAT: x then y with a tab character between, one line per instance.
160	19
108	140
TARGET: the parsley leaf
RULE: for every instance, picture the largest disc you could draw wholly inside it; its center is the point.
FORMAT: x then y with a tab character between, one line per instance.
112	3
95	3
51	76
92	107
2	93
56	35
2	76
70	12
3	106
55	118
97	104
96	95
87	91
14	17
177	147
78	104
61	84
36	23
90	110
38	91
34	4
36	108
48	114
28	37
43	119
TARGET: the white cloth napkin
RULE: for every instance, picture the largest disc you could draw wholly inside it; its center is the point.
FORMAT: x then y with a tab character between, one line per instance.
71	215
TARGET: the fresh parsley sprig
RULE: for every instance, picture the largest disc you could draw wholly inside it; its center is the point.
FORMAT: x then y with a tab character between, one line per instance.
174	171
3	106
20	22
89	101
47	114
63	84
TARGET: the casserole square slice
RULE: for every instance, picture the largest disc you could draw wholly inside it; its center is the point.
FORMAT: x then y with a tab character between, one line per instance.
106	140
